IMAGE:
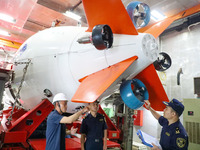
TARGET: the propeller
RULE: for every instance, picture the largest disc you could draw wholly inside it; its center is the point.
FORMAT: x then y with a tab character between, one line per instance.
138	91
139	13
133	93
163	62
102	37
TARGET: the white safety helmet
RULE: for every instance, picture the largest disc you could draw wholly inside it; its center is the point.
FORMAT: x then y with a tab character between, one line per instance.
59	97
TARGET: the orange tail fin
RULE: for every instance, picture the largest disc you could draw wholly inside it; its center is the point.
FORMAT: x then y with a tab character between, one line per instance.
154	86
110	12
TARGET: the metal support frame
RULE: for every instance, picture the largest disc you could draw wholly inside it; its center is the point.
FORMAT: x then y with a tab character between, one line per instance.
5	76
128	129
23	124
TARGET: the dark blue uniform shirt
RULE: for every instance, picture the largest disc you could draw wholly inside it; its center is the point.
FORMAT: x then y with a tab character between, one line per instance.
174	136
93	128
55	133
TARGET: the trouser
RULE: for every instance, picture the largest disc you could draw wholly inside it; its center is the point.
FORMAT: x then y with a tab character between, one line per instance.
94	144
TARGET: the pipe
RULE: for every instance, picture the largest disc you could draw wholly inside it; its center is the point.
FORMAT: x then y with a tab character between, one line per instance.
178	76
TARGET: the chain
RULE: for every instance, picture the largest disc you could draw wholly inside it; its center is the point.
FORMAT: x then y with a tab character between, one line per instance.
19	89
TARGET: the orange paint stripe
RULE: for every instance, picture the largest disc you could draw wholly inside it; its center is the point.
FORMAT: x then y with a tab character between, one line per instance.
94	85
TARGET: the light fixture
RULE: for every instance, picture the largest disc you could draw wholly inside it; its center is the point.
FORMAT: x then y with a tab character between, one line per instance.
7	18
5	33
157	16
72	15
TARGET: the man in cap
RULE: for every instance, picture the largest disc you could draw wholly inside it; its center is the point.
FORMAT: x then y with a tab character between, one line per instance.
173	134
94	130
56	128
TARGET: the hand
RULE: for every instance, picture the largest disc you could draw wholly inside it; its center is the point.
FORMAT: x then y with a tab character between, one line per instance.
73	130
147	104
85	109
154	147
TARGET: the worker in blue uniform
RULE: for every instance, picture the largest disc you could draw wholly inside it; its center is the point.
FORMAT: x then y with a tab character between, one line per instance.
94	130
173	134
56	123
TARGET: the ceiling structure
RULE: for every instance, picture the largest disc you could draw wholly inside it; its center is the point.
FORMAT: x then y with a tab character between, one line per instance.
36	15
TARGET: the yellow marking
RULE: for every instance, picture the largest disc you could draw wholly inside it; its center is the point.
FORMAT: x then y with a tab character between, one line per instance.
10	43
177	131
167	133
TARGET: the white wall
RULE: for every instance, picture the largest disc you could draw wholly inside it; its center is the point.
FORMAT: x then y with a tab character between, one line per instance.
150	125
184	49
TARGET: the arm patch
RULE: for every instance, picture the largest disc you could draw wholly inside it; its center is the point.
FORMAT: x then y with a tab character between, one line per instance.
180	142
